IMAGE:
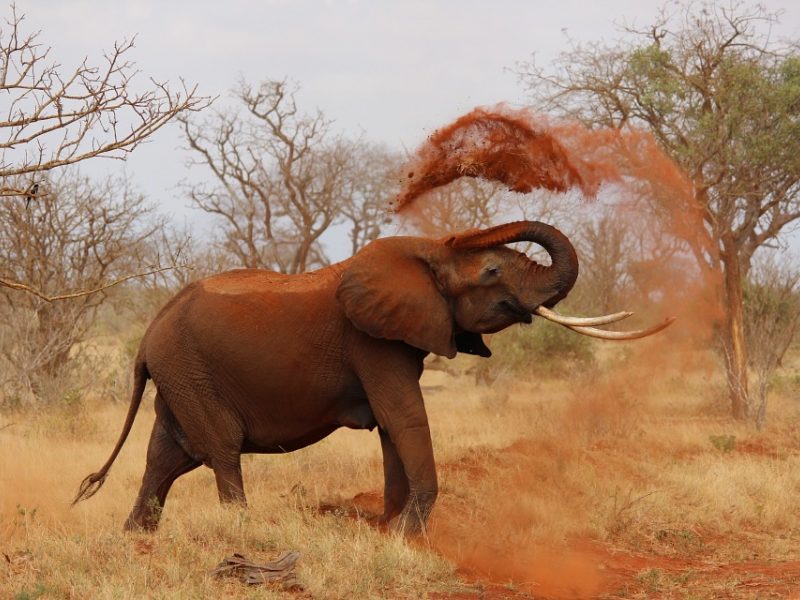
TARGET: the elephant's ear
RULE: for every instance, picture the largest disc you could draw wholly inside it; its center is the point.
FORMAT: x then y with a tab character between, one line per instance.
387	292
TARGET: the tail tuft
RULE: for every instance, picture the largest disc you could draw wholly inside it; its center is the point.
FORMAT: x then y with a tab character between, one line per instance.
90	486
95	481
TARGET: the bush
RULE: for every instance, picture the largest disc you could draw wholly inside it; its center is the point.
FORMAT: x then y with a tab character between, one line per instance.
542	349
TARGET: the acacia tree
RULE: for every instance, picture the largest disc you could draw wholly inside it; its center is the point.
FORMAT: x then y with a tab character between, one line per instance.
282	179
723	101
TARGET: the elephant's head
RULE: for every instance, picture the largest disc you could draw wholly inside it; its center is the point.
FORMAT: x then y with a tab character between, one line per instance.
440	295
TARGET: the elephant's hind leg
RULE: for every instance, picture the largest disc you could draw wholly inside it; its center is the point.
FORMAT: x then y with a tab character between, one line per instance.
228	473
166	461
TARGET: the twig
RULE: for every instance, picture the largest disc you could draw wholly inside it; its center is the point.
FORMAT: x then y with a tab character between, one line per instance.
16	285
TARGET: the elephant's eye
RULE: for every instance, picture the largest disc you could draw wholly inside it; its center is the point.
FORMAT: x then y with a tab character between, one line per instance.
491	272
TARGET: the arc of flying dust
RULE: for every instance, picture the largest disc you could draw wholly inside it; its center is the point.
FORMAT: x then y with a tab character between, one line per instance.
506	145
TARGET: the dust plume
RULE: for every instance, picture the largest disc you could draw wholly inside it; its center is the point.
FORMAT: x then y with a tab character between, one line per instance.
498	144
668	250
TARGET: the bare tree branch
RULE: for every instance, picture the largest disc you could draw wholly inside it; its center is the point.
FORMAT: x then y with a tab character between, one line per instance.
83	236
52	118
15	285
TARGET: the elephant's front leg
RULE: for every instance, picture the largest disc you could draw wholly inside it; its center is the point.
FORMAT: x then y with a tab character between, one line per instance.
416	452
390	376
395	482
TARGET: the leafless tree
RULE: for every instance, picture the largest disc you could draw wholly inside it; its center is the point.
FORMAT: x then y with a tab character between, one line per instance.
283	179
78	235
192	258
466	203
604	247
772	317
53	117
372	183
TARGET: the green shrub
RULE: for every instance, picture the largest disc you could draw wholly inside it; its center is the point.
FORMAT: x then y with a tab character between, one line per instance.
723	443
542	349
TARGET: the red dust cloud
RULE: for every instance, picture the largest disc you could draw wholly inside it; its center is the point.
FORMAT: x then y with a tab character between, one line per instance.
654	200
524	151
496	145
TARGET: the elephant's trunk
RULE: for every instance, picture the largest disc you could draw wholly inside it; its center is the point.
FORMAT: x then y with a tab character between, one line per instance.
552	282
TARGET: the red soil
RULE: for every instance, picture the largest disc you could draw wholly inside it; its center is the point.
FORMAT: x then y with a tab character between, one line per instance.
506	567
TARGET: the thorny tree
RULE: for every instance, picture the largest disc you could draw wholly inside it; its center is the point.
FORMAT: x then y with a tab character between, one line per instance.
466	203
723	100
78	233
283	180
772	317
51	117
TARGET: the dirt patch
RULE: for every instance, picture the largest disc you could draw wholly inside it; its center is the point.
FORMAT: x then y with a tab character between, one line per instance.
762	447
366	505
496	561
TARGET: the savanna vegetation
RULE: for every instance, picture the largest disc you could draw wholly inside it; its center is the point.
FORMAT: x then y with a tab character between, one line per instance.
569	468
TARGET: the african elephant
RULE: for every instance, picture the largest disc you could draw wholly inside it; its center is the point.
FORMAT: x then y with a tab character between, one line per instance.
256	361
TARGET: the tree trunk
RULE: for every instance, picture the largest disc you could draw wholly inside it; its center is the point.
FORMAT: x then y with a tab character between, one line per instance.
733	338
55	339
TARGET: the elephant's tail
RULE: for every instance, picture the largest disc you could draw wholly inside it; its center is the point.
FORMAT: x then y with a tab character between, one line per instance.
95	481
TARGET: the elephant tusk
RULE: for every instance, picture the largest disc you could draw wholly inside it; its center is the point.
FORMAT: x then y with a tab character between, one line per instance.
622	335
555	317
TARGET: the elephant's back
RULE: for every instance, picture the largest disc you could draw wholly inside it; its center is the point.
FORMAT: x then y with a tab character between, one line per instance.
247	299
260	281
235	316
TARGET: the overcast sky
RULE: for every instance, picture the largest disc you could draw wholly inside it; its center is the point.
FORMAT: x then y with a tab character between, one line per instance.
393	71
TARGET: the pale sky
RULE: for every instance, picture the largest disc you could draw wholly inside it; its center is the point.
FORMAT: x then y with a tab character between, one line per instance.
393	71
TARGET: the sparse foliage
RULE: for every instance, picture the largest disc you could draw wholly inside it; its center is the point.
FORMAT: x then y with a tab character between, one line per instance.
772	317
542	350
722	99
78	235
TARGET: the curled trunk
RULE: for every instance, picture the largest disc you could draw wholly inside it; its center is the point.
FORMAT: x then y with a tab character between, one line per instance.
552	282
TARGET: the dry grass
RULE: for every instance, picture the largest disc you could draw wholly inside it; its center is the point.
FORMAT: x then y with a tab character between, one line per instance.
546	485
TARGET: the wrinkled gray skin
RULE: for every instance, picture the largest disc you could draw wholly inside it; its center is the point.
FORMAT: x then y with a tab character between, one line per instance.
256	361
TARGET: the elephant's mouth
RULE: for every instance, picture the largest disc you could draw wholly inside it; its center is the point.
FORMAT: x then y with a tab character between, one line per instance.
516	310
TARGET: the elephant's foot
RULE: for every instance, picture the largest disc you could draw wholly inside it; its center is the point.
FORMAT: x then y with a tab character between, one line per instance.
414	516
393	503
145	515
135	523
407	524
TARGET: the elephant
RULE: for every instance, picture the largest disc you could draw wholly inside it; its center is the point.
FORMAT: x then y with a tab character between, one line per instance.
253	361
